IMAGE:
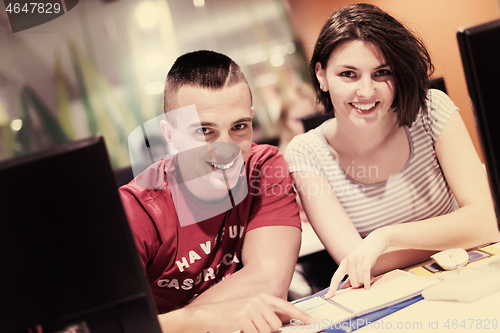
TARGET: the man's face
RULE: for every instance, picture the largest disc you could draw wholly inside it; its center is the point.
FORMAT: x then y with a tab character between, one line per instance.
214	137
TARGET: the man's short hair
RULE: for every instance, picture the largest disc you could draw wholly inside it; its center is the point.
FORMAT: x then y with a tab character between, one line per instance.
204	69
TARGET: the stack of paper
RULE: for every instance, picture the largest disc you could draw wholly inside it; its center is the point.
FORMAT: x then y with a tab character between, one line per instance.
395	287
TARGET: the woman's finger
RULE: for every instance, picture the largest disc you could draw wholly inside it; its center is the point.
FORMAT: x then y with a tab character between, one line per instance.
367	276
337	277
346	284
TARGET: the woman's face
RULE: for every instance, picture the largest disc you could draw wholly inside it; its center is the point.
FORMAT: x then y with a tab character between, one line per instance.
360	84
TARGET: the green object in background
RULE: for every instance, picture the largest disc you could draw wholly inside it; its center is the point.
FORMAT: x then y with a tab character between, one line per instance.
63	102
75	60
106	113
31	101
7	136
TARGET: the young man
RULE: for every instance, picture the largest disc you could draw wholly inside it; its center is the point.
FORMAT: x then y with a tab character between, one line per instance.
216	225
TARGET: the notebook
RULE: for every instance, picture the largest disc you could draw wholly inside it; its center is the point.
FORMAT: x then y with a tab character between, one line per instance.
393	288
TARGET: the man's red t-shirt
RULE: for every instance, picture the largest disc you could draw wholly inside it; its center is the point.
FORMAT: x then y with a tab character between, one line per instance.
181	262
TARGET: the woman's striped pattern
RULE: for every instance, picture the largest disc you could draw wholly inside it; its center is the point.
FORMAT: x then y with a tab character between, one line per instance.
418	192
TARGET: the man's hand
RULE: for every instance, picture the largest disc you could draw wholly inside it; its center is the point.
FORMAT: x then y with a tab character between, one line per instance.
262	313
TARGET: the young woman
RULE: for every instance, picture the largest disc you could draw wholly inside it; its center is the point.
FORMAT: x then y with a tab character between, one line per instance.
394	176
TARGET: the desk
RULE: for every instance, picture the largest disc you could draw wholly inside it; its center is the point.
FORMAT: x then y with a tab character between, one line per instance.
444	316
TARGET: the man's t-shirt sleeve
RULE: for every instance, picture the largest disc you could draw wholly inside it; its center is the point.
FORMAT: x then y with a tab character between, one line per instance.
271	185
141	225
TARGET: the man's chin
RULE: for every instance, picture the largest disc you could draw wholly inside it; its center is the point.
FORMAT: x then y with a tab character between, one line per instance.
219	184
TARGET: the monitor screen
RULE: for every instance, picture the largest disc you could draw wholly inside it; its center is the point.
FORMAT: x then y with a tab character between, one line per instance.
312	121
67	254
480	51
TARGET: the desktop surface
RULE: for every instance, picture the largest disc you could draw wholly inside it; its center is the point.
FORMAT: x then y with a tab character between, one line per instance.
440	316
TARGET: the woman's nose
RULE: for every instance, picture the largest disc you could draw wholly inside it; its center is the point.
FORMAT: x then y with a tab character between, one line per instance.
366	87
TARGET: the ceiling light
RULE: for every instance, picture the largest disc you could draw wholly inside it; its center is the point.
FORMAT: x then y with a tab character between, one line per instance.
277	60
146	14
16	124
199	3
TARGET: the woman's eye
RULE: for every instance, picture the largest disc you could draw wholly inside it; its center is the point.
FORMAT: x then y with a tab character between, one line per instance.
383	72
348	74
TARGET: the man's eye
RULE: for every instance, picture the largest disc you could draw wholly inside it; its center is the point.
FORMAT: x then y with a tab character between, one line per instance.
240	127
348	74
203	130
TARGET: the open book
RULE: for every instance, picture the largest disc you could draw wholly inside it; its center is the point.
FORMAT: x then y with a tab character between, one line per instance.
393	288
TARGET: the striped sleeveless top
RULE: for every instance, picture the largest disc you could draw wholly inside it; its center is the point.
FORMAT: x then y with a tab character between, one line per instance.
419	191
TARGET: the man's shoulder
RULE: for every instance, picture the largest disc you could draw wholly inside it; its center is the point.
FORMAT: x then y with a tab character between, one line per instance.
260	154
147	200
149	183
257	149
267	162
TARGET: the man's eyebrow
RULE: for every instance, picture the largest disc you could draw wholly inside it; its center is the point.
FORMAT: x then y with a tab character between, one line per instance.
209	124
243	120
202	124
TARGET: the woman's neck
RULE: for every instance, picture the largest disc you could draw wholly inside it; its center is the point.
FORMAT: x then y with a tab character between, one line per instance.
348	140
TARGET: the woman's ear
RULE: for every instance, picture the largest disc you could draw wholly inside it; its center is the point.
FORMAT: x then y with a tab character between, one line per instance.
321	76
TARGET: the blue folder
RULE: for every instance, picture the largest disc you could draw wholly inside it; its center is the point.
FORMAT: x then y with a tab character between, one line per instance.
361	321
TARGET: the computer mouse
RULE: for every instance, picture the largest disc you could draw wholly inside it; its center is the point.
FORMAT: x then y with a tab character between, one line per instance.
452	258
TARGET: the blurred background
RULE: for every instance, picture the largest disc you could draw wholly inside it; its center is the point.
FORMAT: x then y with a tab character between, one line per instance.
100	68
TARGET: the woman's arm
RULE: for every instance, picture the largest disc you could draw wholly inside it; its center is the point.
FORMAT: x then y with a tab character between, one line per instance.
326	215
337	232
473	224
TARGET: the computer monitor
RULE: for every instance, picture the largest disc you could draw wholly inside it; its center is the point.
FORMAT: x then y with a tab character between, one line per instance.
480	51
314	120
68	259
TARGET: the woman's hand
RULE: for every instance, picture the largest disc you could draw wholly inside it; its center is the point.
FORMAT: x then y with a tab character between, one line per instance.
357	265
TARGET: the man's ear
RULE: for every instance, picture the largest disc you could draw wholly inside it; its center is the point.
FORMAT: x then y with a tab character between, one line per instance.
252	109
167	129
321	76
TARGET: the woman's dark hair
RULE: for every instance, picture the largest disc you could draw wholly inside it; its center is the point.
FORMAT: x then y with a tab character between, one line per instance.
407	56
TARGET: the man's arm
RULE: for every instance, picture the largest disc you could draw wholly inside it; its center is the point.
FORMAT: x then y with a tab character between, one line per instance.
269	256
254	314
252	299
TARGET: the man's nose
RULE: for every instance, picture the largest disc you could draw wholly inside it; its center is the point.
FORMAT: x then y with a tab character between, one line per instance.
224	136
223	152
